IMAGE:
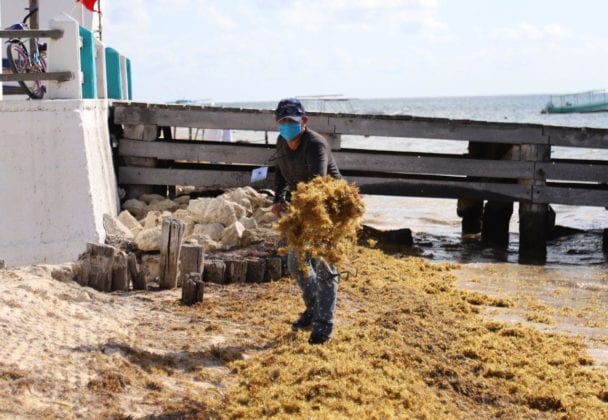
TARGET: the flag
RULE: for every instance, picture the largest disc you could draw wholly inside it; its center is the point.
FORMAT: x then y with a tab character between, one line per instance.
89	4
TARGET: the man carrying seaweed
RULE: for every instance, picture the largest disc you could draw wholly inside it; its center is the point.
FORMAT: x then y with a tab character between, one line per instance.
303	154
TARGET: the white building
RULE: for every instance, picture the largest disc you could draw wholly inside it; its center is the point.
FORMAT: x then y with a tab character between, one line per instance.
56	174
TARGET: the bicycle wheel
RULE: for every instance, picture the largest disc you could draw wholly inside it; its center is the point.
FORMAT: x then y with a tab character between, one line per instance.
21	63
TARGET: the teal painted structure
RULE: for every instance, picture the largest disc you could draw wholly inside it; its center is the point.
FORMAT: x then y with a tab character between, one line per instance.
129	79
87	64
113	74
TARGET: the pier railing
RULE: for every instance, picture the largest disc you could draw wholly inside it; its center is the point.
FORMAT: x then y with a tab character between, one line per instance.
526	173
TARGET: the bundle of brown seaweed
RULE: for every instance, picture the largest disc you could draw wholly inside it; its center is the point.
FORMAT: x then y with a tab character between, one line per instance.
323	219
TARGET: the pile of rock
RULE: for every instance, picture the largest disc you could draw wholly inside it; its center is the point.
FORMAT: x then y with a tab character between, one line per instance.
237	218
233	229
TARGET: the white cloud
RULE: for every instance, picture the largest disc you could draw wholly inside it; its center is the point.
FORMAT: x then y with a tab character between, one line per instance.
528	32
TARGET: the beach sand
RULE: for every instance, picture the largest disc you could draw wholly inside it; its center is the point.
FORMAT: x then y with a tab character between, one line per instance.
409	341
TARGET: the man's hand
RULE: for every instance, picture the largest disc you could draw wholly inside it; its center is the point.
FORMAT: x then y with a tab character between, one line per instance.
278	208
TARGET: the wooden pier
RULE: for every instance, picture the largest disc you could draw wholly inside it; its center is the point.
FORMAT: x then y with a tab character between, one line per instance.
507	162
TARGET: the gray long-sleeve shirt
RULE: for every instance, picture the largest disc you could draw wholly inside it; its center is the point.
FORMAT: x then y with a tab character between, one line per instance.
312	158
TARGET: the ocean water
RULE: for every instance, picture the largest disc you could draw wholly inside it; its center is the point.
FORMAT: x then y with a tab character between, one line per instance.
434	223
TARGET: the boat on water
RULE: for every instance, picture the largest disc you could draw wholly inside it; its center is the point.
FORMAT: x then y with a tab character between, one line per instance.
590	101
327	103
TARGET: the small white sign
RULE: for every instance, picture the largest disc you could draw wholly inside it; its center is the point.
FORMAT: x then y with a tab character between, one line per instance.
259	174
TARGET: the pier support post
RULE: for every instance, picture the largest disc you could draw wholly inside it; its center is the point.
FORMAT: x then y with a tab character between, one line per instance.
495	224
536	221
493	219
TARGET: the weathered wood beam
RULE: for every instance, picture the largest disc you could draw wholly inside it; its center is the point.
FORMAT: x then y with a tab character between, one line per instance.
577	137
576	196
347	159
31	33
59	76
579	171
198	178
352	124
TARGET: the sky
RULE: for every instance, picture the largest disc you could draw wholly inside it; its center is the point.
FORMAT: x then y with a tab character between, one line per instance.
255	50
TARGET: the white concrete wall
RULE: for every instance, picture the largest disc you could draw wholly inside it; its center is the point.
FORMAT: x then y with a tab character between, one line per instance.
56	179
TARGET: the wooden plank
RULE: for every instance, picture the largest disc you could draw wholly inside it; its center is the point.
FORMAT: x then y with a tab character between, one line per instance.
191	260
576	196
577	137
352	124
59	76
31	33
198	151
418	164
580	171
96	269
170	247
193	289
442	188
193	177
347	159
120	272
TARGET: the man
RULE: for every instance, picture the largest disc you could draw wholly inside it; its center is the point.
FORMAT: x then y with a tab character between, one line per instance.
302	155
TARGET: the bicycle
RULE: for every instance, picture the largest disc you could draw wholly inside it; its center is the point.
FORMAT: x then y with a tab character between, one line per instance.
23	61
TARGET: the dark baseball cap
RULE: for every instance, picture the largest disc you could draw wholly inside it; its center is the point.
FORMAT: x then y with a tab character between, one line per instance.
289	108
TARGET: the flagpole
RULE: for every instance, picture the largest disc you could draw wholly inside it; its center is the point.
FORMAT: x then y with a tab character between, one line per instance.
34	23
99	17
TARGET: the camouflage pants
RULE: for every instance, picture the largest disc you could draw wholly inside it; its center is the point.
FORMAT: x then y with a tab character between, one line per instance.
319	288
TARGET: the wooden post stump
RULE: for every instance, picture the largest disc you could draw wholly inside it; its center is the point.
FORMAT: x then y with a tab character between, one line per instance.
236	271
120	272
495	225
534	218
214	271
532	233
605	242
273	268
137	276
256	270
2	264
97	267
170	247
192	289
191	260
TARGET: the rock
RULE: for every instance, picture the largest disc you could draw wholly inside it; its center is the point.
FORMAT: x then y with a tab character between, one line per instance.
232	235
182	199
401	237
149	198
198	207
208	244
248	222
130	222
115	229
149	239
155	218
164	205
251	236
257	199
136	207
184	216
212	230
206	210
264	216
240	197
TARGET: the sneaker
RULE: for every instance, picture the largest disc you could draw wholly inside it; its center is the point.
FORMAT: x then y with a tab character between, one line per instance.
304	322
320	334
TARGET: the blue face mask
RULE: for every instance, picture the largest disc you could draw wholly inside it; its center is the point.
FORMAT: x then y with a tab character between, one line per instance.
290	131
